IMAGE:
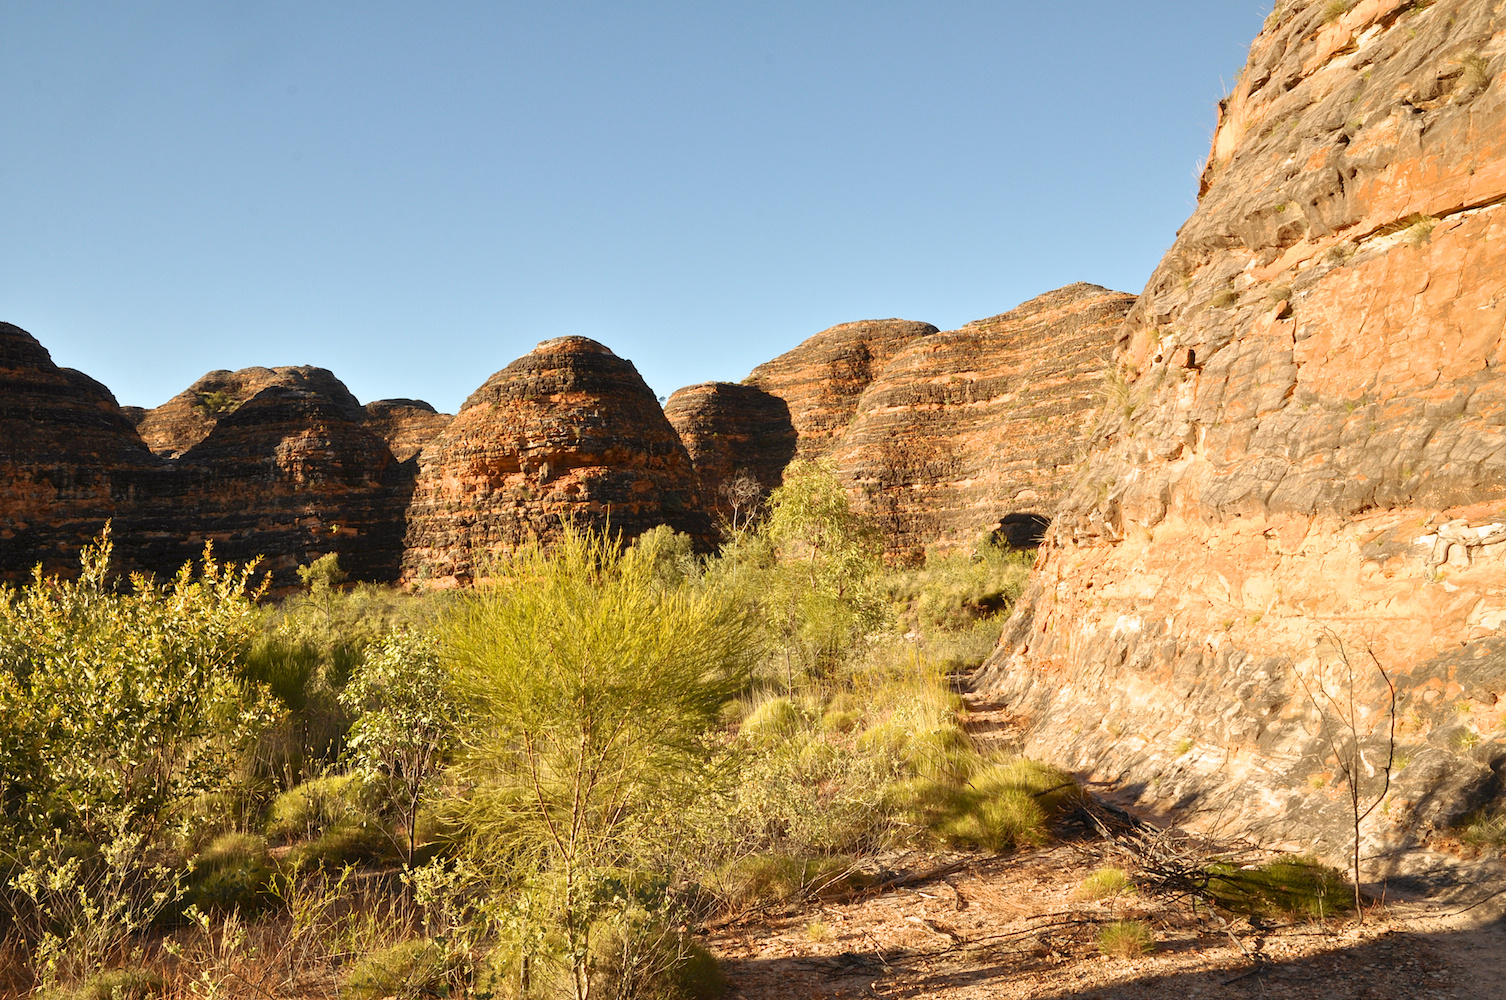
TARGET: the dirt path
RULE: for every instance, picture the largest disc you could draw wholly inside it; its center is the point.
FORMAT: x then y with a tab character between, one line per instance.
1012	927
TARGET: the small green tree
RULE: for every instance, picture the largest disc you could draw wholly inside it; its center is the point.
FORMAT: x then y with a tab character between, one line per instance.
823	599
406	722
592	685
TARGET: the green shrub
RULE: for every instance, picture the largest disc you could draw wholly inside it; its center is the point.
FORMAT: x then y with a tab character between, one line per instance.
1485	831
771	721
638	956
410	969
1226	299
1291	887
1105	883
1126	938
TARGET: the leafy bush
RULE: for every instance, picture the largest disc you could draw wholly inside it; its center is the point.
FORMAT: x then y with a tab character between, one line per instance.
1126	938
122	701
593	687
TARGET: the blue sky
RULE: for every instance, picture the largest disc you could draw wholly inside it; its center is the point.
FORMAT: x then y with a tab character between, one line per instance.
414	194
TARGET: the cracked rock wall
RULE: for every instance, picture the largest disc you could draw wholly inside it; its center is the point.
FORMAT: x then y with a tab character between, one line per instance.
1303	459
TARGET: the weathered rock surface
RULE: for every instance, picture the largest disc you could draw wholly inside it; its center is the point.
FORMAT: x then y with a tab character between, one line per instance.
69	459
407	425
730	430
982	428
822	378
569	430
1308	455
290	474
186	419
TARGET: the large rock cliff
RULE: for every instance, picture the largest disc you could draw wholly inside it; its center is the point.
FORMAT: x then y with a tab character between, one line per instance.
823	377
982	428
739	439
568	431
1299	487
69	458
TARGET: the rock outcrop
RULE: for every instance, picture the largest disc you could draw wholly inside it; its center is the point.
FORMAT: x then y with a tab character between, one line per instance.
1302	477
186	419
568	431
822	378
739	439
69	459
982	428
407	425
291	474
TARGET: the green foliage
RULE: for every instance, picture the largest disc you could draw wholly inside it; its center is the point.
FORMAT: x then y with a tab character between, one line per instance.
1105	883
1126	938
122	701
592	687
954	591
1336	9
1290	887
405	971
313	807
999	807
407	718
231	874
216	403
822	598
1226	299
77	908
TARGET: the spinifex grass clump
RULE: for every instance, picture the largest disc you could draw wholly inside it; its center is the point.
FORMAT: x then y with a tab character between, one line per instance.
997	807
1126	938
1293	887
1105	883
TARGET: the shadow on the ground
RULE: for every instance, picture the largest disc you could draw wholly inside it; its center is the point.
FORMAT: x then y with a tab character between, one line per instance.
1463	965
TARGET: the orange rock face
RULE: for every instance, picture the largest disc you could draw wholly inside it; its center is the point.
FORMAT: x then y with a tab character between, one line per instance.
569	430
982	428
407	425
186	419
1306	463
729	431
822	379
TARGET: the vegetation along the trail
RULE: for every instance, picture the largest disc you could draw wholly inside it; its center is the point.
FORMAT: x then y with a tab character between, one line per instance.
541	786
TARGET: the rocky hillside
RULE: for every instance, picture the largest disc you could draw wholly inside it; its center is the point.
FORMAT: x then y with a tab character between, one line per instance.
822	378
739	439
569	430
69	458
982	427
1300	489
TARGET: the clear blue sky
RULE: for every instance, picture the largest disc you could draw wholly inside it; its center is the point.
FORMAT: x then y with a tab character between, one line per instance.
414	194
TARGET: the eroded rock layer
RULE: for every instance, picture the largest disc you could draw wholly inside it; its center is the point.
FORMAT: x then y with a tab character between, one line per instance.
407	425
739	439
1303	477
982	428
69	459
186	419
822	379
569	430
